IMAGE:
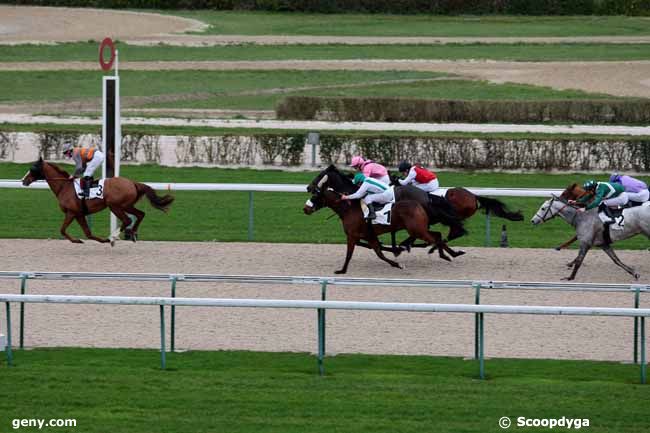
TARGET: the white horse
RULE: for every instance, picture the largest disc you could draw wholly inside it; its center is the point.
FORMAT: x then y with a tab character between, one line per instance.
590	229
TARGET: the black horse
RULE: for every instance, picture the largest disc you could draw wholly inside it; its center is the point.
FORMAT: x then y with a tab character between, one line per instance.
436	208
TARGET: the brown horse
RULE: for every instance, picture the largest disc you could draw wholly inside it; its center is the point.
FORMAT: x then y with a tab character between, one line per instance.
120	196
406	215
464	203
572	192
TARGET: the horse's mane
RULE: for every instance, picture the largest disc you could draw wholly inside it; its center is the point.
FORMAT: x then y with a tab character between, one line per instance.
58	169
347	183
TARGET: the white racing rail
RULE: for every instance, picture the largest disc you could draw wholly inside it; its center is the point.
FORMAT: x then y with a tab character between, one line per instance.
263	187
321	306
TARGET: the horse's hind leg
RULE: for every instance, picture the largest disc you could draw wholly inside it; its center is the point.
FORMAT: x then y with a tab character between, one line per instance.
84	226
436	239
612	255
376	246
139	215
119	213
66	222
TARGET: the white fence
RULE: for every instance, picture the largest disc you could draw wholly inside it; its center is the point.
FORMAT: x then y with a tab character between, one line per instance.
323	305
263	187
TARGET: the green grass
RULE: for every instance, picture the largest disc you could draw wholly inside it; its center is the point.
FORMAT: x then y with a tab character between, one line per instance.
125	391
278	217
261	23
87	51
56	86
246	89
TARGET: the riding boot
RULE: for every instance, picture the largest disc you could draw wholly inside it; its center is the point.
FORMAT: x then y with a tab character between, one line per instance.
371	212
87	181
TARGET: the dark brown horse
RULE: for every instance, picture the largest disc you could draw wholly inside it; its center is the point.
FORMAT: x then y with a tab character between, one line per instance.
465	204
406	215
120	195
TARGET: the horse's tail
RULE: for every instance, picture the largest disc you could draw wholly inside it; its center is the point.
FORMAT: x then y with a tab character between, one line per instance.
498	208
156	201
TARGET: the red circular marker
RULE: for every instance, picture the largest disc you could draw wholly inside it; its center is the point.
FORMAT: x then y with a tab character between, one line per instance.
107	42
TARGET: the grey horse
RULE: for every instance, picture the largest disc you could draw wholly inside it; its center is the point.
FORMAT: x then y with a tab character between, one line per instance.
590	229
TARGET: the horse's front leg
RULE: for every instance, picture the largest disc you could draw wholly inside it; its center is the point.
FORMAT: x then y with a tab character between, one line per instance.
567	243
351	243
612	255
69	216
84	226
584	249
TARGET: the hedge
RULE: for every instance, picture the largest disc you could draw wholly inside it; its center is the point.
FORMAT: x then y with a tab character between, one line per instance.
272	150
438	7
442	110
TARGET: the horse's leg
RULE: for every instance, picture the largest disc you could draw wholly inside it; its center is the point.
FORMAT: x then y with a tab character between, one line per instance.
351	243
612	255
139	215
374	243
69	216
567	243
439	245
84	226
406	244
122	216
584	248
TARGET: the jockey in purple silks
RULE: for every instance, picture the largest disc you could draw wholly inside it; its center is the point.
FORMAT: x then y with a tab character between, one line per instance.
636	189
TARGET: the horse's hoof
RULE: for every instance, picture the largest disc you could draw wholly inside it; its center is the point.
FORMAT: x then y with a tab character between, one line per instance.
458	253
77	241
567	279
397	252
445	258
340	271
557	248
637	275
399	266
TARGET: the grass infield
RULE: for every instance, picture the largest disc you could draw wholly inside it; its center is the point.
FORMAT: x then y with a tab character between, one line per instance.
278	217
125	391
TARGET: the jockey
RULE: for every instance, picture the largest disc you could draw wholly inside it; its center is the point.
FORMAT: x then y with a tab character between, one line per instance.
609	194
636	190
371	169
86	159
372	191
418	176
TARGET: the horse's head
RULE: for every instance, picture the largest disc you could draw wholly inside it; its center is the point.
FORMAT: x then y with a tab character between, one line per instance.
573	192
325	189
35	173
549	209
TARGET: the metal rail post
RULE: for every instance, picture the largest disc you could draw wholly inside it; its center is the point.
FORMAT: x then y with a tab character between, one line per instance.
643	363
481	345
250	215
9	354
636	327
23	285
321	330
477	301
173	319
162	337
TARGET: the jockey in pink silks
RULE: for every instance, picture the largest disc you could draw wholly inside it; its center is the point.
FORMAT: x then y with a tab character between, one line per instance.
371	169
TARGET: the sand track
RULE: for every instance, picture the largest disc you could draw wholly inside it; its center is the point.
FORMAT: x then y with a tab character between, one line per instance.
295	330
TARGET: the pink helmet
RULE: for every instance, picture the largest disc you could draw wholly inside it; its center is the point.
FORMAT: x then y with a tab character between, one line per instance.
357	161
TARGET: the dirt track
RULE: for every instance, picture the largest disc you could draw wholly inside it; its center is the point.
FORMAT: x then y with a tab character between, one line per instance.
294	330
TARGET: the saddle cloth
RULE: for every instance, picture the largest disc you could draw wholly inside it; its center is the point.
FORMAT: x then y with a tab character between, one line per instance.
617	222
383	214
96	191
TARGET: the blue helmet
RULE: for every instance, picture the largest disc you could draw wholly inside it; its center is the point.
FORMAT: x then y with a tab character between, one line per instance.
589	185
615	177
358	178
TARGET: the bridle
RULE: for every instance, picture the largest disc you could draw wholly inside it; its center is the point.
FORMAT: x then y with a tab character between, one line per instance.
550	207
